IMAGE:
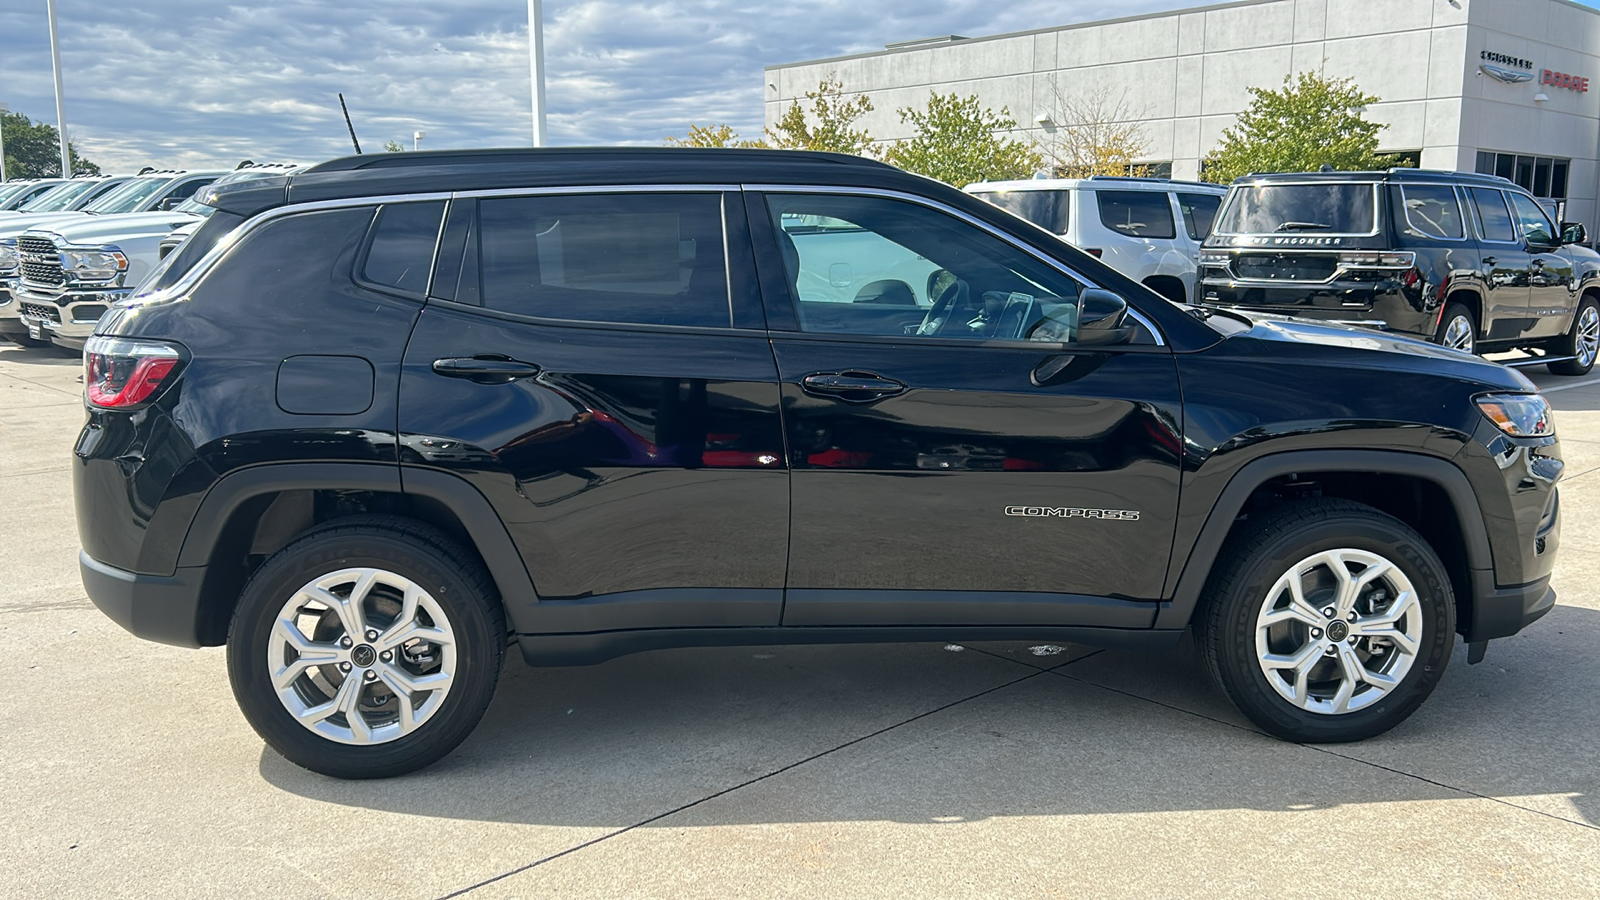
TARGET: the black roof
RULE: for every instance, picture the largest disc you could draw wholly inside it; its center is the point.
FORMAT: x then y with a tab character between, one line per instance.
380	174
1400	175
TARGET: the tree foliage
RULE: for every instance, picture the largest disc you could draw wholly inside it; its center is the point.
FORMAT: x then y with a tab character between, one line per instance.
827	125
719	135
393	146
1095	133
33	149
959	142
1309	123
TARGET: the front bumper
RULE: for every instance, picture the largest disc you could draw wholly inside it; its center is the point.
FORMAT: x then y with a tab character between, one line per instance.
160	608
1497	612
68	318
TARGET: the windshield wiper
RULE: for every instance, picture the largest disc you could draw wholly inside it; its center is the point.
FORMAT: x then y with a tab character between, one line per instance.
1303	226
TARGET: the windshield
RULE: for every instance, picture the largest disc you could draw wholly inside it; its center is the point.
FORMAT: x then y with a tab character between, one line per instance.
129	197
9	192
1327	208
59	197
1050	210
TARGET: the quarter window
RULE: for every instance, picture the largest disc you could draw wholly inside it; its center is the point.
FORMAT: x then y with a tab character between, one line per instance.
1535	225
1496	221
1431	210
871	265
1199	211
646	259
401	254
1145	214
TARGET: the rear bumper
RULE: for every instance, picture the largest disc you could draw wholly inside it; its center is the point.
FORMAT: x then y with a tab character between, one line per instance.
1382	305
1497	612
164	609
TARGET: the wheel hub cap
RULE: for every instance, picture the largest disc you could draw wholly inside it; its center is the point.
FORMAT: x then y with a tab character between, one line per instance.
1337	631
363	656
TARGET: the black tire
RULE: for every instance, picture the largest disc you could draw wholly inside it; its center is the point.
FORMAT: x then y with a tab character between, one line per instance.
1452	313
1585	330
1264	550
453	577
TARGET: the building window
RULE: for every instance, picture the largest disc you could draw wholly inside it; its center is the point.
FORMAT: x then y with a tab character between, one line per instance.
1542	176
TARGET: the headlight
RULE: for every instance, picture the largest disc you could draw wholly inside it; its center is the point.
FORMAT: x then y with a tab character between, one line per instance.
1519	415
8	256
98	264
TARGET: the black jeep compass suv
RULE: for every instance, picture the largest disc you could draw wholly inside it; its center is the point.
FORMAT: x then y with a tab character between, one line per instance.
381	419
1469	261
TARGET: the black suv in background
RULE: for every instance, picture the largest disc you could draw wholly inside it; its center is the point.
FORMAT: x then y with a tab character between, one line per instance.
379	420
1469	261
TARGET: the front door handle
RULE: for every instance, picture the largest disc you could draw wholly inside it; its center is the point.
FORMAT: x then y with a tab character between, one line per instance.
1537	264
852	386
485	369
1488	261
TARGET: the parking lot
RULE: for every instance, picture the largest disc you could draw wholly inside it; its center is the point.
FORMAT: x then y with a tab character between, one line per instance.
904	770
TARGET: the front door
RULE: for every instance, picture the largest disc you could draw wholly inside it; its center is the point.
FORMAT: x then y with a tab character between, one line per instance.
578	363
957	457
1552	283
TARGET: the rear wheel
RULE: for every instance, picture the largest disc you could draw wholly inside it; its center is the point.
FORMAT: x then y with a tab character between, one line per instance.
1581	342
1327	621
366	650
1458	328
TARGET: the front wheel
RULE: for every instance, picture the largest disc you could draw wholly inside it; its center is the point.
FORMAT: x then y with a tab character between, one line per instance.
1327	621
366	650
1581	342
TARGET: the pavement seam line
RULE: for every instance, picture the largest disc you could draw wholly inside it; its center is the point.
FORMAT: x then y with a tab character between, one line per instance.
1320	749
743	784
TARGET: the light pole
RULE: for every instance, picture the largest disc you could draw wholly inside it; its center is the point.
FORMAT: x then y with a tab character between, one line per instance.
3	110
61	112
416	138
536	66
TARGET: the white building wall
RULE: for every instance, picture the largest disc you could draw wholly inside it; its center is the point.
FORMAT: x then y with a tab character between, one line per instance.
1187	75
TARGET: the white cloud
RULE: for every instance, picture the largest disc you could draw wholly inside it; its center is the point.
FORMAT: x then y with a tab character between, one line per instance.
201	84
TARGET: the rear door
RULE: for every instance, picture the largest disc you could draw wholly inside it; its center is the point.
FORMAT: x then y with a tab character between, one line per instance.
1144	237
596	365
961	460
1199	211
1504	263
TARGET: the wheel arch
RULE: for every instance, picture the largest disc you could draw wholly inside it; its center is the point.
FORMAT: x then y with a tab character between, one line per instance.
1169	286
1446	512
1470	297
250	514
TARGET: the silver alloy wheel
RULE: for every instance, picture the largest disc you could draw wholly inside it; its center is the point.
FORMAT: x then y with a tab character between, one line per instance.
1338	631
361	656
1588	335
1458	334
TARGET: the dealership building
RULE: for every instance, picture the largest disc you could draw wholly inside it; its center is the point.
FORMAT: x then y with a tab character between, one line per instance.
1496	86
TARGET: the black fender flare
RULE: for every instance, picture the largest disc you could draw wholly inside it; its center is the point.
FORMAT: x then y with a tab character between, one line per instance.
469	506
1176	611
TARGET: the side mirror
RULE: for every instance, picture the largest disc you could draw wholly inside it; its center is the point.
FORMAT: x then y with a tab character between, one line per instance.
1102	318
169	203
1574	233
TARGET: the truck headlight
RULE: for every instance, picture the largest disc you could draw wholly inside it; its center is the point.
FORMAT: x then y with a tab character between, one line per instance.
8	256
96	264
1519	415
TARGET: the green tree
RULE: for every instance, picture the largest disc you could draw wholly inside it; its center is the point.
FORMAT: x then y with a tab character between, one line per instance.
34	151
720	135
957	141
828	126
393	146
1310	123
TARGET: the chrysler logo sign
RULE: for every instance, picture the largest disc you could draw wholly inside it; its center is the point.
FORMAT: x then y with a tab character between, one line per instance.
1509	76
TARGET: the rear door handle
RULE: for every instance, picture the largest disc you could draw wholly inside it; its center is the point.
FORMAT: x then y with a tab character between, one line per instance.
852	386
485	369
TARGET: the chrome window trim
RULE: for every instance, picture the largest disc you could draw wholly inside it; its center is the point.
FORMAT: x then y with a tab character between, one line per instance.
1144	320
597	189
1405	206
1233	195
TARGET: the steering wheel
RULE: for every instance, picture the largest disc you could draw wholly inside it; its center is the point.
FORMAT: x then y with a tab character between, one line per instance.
955	295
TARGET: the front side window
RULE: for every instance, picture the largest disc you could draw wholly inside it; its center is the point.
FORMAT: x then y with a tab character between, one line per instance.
1050	210
1199	212
1535	225
1308	208
401	254
1431	210
129	197
1146	214
1492	214
645	259
877	266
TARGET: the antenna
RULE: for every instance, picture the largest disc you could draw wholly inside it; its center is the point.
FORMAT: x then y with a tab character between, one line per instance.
348	125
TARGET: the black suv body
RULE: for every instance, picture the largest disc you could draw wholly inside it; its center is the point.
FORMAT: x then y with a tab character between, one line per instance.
1469	261
382	417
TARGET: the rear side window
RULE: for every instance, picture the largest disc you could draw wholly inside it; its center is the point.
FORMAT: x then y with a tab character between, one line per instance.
1145	214
1431	211
1491	206
1050	210
647	259
401	253
1199	211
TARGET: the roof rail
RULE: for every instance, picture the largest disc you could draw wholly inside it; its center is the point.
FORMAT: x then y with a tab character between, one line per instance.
1145	178
523	155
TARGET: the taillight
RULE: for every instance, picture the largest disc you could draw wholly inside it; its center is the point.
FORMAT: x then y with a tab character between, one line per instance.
1095	252
119	373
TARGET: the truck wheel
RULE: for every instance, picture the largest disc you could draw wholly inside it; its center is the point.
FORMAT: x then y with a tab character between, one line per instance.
1581	342
1458	328
1327	621
367	649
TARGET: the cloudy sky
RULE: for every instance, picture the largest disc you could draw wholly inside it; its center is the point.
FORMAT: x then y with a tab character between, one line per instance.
204	83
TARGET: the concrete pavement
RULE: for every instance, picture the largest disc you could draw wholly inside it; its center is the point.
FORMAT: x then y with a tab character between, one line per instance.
876	771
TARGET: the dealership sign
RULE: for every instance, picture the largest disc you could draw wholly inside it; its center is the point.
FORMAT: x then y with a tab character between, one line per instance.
1564	80
1506	68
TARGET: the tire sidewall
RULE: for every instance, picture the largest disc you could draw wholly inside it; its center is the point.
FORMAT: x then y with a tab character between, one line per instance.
1240	669
478	653
1569	343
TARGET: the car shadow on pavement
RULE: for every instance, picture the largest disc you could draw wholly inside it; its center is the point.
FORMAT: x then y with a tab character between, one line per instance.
922	733
39	356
